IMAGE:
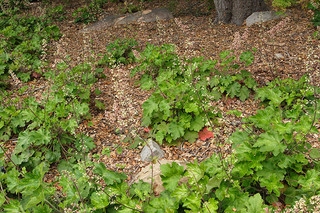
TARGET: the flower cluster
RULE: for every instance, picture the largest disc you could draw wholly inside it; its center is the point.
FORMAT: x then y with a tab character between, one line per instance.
279	27
239	40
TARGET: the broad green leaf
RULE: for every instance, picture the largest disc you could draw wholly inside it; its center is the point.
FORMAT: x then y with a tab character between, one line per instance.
146	82
285	161
163	204
34	198
213	182
265	117
272	183
2	197
244	93
270	142
149	106
181	191
141	189
247	57
194	172
193	202
161	131
33	180
110	177
311	180
69	125
99	200
233	89
175	130
274	95
1	124
192	107
255	204
170	175
13	180
18	121
250	82
185	120
210	206
42	208
160	136
271	176
315	153
40	137
197	124
24	156
146	121
164	106
190	136
238	137
14	206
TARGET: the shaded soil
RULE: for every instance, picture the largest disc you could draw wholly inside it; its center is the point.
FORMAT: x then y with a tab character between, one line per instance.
285	50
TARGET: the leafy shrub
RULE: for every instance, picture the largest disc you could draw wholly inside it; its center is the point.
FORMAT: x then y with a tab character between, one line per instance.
180	103
273	156
12	6
22	45
119	52
270	163
88	13
47	128
315	7
56	13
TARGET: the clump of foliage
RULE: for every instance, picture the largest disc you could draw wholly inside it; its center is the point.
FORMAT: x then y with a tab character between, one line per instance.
88	13
180	103
119	52
130	8
21	45
315	7
56	13
47	128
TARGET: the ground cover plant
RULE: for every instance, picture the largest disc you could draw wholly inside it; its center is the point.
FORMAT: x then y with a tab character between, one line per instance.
271	160
271	167
23	43
179	106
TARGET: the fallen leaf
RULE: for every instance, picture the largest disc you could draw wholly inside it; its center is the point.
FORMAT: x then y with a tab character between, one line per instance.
147	129
205	134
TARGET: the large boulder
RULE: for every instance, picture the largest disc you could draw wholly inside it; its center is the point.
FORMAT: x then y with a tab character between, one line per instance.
259	17
138	17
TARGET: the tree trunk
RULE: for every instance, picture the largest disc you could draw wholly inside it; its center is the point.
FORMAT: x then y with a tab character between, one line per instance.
236	11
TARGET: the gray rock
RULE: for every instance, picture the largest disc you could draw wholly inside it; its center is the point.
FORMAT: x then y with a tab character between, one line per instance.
150	151
279	56
138	17
259	17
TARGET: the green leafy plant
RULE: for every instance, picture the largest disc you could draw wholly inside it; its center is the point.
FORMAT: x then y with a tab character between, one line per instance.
34	194
47	128
56	13
119	52
88	13
130	8
22	45
179	106
270	162
315	7
273	156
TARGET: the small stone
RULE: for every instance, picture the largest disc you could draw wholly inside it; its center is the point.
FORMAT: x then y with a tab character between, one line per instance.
150	151
279	56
